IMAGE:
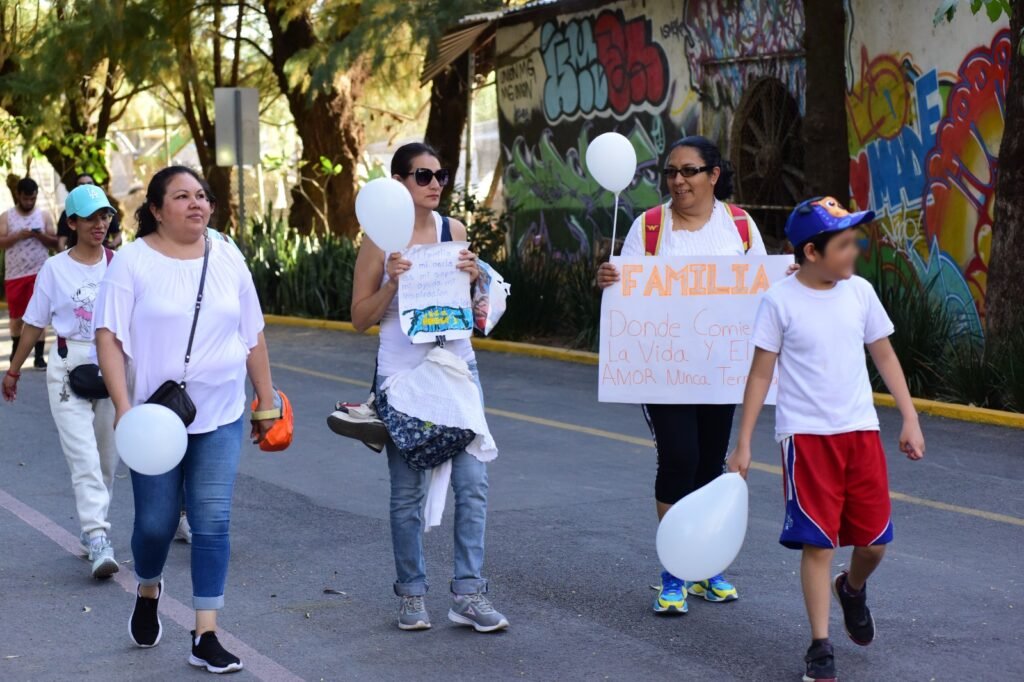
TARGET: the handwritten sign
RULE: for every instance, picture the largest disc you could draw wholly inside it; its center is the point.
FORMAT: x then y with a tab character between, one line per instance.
678	330
433	297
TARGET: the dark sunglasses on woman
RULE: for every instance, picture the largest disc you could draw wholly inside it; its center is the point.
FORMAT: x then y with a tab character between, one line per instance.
686	171
425	175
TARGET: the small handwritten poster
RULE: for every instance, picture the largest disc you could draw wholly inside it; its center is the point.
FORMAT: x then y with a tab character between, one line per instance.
677	330
433	296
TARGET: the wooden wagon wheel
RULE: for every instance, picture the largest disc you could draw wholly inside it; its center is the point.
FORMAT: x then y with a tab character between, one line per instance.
767	152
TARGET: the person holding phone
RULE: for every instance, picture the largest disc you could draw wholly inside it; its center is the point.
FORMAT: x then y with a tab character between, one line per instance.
26	235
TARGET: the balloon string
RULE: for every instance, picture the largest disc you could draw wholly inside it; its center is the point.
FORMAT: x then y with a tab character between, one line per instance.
615	222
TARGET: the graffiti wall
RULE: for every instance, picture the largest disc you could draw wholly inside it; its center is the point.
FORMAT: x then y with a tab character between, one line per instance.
925	116
653	71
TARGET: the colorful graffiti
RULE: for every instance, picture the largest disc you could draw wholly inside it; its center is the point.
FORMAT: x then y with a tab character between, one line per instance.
568	211
731	44
597	64
961	169
923	156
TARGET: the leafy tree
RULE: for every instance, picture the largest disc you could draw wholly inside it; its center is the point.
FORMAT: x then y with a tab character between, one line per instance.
212	44
67	113
323	54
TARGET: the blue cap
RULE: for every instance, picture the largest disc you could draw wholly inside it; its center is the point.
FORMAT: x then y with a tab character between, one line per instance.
819	215
85	200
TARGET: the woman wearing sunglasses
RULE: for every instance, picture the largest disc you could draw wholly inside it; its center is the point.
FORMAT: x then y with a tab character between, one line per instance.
375	300
692	440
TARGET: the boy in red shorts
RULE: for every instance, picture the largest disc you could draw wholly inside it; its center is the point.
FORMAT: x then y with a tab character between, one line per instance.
816	325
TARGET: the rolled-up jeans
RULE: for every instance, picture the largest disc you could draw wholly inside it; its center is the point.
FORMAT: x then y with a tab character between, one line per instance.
207	472
408	492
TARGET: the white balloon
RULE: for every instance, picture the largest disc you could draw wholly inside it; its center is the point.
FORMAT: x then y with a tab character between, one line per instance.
151	439
386	213
611	160
703	532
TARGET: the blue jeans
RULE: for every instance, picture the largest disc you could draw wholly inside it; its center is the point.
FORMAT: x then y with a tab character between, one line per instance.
408	492
207	473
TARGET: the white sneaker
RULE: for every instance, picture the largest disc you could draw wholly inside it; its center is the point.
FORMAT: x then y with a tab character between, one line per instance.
359	421
101	554
184	532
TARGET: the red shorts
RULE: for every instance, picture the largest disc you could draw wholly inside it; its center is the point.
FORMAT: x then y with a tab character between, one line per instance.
837	491
19	293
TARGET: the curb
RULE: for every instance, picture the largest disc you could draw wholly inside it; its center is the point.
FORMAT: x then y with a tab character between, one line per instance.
935	408
967	413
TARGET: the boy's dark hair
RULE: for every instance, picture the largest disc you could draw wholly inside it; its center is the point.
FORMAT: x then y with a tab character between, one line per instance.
27	186
819	241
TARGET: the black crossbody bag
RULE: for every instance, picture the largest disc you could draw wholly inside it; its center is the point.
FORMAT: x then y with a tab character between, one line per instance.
172	394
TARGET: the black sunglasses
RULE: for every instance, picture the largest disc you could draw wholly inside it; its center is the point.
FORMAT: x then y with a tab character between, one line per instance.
425	175
686	171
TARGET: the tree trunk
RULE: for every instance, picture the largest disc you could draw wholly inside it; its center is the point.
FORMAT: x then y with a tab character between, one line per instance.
1005	292
826	152
446	123
326	124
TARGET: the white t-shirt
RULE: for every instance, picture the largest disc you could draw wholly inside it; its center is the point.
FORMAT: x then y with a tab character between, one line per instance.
397	352
719	237
147	300
820	337
64	296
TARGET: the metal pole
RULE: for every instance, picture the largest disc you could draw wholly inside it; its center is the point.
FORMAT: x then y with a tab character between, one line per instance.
239	160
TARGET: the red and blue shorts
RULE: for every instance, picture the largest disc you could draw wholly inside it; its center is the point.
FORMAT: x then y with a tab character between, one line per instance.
18	292
837	491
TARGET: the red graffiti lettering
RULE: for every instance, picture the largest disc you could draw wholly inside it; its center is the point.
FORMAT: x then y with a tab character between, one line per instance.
637	68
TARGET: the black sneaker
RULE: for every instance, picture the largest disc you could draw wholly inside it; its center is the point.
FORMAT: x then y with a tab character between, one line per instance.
39	363
860	625
144	627
821	662
211	655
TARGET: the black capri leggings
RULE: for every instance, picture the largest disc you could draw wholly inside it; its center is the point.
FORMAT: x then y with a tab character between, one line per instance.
692	443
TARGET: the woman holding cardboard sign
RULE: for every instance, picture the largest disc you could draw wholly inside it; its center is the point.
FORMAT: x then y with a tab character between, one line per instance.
692	440
375	299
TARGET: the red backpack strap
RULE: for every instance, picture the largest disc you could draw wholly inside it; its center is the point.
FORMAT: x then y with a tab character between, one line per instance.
652	230
109	253
741	220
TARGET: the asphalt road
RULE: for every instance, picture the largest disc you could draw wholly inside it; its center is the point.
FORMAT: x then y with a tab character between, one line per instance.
570	552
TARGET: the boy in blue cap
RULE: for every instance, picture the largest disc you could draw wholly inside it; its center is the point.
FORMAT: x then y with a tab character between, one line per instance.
816	325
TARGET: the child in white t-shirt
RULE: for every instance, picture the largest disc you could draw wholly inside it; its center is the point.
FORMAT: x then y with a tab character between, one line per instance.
816	325
64	294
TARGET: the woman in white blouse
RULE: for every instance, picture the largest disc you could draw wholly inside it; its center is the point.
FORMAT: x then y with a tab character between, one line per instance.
144	314
692	440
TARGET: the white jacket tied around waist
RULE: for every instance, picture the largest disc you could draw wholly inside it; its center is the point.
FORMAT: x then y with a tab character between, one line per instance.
442	390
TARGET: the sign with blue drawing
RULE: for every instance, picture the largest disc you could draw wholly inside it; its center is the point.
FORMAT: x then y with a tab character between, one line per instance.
433	296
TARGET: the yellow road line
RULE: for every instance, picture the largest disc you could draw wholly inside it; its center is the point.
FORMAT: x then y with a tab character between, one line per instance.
646	442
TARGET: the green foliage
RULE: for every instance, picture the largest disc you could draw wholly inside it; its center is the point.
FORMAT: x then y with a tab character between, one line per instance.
487	230
994	9
582	303
80	152
942	362
303	275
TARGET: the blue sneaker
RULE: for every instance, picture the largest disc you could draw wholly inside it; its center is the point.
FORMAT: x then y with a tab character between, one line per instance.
714	589
671	597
